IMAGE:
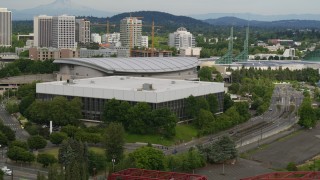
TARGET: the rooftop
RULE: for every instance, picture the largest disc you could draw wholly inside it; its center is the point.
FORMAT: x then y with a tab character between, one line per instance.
135	65
132	83
127	88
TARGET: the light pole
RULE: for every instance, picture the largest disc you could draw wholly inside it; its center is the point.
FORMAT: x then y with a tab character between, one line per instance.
113	161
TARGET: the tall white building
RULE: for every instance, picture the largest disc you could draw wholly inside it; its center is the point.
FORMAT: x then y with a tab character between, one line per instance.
82	31
42	28
5	27
95	38
145	41
131	32
63	32
181	39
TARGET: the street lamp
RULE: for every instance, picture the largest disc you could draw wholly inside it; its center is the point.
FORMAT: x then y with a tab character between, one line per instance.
113	161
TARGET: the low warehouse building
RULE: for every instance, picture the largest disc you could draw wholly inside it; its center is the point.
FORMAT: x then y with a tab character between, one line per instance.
158	93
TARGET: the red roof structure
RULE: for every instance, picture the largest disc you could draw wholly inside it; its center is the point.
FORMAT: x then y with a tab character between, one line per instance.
142	174
296	175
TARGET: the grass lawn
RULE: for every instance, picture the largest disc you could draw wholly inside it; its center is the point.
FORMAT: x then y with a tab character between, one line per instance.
54	151
311	165
184	133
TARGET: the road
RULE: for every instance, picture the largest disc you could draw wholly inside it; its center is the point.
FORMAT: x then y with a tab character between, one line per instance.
257	128
13	123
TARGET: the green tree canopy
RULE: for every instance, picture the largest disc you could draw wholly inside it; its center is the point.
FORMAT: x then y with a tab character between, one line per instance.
37	142
73	155
148	158
57	137
46	159
114	141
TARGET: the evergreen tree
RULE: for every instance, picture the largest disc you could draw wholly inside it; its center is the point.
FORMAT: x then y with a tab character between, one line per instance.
73	155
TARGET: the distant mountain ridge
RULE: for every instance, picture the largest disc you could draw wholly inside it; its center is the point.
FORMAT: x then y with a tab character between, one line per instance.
58	7
257	17
233	21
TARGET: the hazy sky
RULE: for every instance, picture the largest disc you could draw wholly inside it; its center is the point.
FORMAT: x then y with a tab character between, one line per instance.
185	7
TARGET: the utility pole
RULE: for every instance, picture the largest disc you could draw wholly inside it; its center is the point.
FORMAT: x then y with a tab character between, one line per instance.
152	37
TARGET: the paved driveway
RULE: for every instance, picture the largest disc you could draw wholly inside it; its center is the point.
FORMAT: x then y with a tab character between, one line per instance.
241	169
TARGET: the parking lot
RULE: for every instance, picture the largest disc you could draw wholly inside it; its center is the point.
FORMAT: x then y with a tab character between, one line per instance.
298	147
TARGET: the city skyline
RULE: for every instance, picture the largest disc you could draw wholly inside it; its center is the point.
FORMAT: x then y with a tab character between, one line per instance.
186	7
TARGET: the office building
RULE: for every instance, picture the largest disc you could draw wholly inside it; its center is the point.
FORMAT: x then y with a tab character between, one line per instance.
158	93
5	27
82	31
63	32
131	32
42	28
182	39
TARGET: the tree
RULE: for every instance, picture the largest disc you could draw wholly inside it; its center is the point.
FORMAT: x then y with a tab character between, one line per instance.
97	161
205	74
307	114
8	132
46	159
70	130
213	103
148	158
114	141
12	107
18	143
191	109
164	122
3	139
1	175
227	102
139	116
292	166
19	154
57	137
202	103
73	155
116	111
204	118
220	151
38	112
37	142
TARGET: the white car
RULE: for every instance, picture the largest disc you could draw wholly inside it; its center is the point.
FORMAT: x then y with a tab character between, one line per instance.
6	171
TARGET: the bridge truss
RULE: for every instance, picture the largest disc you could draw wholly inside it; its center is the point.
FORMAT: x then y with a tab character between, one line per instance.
228	57
244	55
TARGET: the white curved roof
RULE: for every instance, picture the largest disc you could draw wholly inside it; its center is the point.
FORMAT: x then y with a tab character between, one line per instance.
135	64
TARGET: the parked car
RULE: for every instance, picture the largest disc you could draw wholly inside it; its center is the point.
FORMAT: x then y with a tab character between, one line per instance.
6	170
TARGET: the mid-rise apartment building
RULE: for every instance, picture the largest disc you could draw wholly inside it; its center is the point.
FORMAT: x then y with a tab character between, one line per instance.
42	28
82	31
42	54
181	39
5	27
63	32
131	32
145	41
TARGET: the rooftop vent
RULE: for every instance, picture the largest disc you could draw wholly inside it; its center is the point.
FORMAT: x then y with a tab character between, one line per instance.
70	81
122	78
173	82
91	82
147	87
